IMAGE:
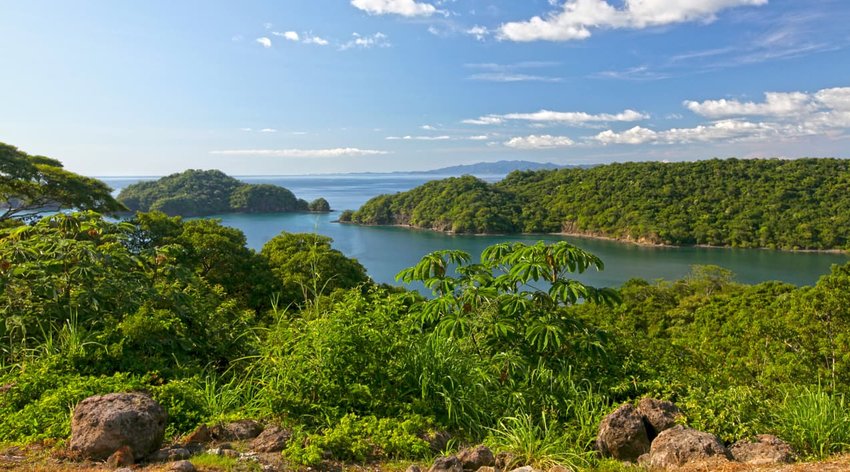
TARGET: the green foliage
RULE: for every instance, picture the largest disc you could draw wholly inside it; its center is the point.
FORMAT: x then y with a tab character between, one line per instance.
319	205
359	439
264	198
460	205
814	421
538	443
207	192
789	204
33	185
307	266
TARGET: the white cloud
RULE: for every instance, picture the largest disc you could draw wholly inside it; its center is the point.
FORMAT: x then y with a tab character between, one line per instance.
265	42
775	104
268	130
570	117
334	152
578	17
288	35
485	120
725	130
398	7
377	40
317	40
481	137
418	138
540	142
428	128
511	77
478	32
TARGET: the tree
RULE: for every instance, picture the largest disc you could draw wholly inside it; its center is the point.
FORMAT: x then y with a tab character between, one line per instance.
320	205
308	266
33	185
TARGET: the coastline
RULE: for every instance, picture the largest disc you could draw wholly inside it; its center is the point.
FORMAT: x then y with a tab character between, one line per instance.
639	242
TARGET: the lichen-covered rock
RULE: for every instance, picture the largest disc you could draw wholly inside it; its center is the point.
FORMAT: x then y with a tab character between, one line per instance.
474	458
181	466
446	464
272	439
104	423
680	445
622	435
765	450
658	415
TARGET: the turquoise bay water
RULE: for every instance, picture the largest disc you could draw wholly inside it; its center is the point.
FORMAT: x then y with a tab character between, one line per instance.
385	251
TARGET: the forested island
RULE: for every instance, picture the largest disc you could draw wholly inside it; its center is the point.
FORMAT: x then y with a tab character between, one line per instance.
509	349
212	192
767	203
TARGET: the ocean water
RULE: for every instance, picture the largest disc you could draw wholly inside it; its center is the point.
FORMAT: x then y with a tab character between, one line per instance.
384	251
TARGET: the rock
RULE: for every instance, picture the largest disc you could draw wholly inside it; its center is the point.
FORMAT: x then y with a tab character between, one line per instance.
124	469
170	454
122	457
525	468
413	468
474	458
181	466
486	468
622	435
102	424
679	445
201	435
765	450
236	430
437	440
272	439
658	415
504	460
446	464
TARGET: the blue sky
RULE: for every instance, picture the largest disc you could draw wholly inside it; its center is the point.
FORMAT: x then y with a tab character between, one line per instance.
298	86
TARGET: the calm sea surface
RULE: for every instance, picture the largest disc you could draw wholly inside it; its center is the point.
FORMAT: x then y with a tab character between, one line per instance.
385	251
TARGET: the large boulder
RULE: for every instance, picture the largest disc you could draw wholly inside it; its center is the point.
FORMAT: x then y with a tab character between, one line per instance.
474	458
658	415
680	445
622	435
103	424
766	449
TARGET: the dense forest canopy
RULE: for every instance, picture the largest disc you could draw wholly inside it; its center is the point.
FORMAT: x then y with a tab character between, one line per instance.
772	203
33	185
210	192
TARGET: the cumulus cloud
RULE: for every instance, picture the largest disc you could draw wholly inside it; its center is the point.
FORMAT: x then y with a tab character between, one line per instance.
776	104
725	130
407	8
265	42
317	40
539	142
569	118
478	32
334	152
577	17
288	35
377	40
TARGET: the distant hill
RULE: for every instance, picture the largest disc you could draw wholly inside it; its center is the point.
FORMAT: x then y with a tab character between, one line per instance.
490	168
210	192
770	203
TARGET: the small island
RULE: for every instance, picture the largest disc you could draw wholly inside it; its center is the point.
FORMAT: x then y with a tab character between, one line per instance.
212	192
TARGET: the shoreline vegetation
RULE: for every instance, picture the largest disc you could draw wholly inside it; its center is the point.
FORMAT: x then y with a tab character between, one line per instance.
578	235
195	193
755	203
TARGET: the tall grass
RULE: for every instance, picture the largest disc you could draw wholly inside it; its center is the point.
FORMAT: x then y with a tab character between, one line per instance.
539	443
814	421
